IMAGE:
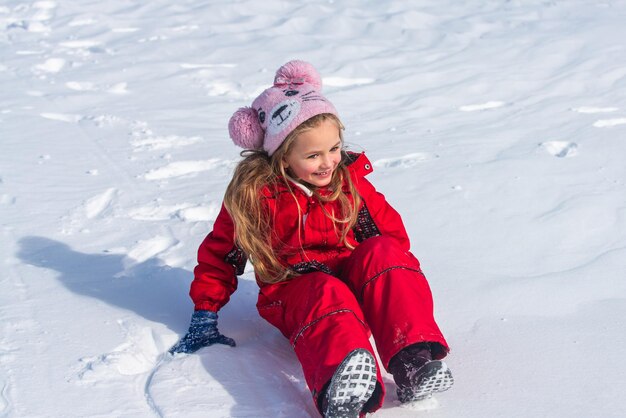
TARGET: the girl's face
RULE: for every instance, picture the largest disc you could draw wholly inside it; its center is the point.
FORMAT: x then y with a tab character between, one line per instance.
315	154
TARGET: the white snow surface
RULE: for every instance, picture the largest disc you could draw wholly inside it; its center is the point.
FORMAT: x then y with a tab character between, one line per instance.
497	129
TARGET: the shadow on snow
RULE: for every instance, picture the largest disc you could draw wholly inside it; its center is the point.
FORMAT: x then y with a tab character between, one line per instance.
159	294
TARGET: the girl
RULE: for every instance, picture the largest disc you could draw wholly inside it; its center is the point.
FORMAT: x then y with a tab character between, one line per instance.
331	256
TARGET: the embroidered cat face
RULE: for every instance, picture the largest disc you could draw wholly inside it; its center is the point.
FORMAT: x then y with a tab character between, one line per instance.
283	113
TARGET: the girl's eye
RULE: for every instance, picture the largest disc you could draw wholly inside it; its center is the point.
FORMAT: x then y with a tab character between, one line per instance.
312	156
335	148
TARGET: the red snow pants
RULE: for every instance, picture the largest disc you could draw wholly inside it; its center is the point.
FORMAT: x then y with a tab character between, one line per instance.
379	291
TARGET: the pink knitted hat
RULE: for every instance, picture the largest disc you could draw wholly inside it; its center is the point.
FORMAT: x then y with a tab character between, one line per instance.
294	98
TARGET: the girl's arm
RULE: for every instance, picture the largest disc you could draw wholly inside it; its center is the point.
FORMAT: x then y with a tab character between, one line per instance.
219	263
385	217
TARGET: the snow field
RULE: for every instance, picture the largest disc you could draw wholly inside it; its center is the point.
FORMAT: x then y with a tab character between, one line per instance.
496	129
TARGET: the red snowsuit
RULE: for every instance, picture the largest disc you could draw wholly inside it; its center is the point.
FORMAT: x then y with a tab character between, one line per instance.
342	296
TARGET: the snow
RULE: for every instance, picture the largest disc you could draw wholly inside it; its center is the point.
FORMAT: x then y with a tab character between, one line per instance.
497	129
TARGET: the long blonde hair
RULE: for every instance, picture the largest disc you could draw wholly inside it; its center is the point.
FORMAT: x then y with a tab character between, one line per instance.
245	204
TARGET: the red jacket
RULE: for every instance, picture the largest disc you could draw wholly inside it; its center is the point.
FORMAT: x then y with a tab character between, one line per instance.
220	260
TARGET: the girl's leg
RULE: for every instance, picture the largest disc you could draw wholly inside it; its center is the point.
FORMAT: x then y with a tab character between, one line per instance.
395	297
324	323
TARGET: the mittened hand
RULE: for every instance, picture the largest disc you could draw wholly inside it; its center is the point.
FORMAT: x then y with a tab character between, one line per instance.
202	332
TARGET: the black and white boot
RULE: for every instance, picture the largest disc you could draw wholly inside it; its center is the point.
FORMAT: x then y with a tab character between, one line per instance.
417	375
351	386
432	377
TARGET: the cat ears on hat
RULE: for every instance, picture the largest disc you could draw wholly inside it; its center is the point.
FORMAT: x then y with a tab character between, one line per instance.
244	126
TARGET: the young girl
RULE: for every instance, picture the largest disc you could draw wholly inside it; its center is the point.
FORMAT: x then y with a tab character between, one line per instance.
331	256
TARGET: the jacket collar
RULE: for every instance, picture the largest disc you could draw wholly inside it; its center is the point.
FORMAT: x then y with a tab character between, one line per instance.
301	186
358	164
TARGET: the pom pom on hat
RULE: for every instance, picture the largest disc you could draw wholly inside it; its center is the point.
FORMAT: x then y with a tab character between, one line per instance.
245	130
298	72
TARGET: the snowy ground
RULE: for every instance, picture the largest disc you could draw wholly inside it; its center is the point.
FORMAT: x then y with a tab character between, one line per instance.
497	128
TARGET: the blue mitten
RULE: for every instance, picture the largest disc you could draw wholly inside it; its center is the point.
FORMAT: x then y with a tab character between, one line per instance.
202	333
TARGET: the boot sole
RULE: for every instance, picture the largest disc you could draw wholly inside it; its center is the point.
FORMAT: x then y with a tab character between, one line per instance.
352	385
435	376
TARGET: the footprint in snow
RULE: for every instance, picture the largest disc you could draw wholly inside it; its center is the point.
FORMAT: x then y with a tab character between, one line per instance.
103	120
186	168
81	86
50	66
218	88
100	203
199	213
481	106
46	5
43	158
84	44
187	212
408	160
96	207
602	123
213	81
146	249
136	355
82	21
145	140
62	117
560	149
125	30
31	17
99	121
606	123
592	109
7	200
119	88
